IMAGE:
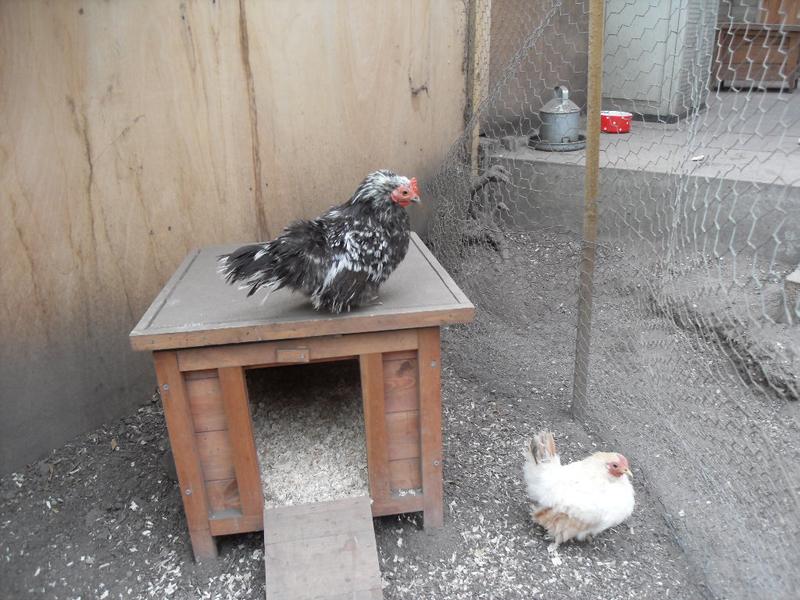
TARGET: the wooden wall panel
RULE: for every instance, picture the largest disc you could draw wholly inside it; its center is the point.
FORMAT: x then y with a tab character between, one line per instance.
223	495
400	381
131	132
402	435
216	455
205	400
405	474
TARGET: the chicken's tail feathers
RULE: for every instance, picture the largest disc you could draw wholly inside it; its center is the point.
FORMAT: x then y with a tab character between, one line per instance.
542	448
252	266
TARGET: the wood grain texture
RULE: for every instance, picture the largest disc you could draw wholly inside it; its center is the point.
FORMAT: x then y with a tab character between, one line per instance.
187	455
240	435
405	474
431	425
216	455
223	495
400	381
319	348
782	12
199	309
226	523
402	434
397	505
755	56
132	132
205	401
480	23
371	366
326	553
318	519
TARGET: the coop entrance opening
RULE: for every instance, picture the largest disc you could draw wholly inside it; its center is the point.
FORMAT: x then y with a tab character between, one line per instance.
308	424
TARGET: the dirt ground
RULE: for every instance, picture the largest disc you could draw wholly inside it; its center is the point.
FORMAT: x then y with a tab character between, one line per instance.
101	517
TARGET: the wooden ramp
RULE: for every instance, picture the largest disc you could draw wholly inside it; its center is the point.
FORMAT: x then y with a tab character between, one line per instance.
322	551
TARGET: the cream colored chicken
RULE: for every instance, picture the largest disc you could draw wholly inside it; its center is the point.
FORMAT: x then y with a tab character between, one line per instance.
579	499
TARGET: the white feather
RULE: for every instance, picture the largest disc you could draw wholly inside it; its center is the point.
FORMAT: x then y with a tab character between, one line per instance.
584	490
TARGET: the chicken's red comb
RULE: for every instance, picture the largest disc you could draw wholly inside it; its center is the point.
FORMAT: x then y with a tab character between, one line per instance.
414	188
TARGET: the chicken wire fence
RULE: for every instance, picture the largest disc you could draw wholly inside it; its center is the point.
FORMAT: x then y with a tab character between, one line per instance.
695	342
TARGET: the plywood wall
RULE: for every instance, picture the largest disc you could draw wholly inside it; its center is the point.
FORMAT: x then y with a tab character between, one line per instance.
131	132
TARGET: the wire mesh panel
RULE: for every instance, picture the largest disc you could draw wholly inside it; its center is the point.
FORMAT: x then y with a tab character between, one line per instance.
695	336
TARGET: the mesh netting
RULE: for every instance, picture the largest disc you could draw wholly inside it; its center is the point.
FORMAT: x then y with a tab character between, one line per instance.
695	344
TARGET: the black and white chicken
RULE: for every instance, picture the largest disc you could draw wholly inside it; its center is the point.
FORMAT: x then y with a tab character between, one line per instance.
340	258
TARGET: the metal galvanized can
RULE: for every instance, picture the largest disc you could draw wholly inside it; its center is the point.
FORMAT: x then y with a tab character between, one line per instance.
560	119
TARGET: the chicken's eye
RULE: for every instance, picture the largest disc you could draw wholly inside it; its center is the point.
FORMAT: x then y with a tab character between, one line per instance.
405	192
614	466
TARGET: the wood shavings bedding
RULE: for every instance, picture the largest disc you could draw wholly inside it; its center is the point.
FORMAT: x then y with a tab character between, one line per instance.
310	438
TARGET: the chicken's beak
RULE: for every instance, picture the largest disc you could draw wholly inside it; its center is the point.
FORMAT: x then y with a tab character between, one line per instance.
628	473
416	200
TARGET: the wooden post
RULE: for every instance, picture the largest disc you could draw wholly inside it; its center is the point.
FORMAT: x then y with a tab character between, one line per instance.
480	25
430	403
184	449
240	432
592	173
371	366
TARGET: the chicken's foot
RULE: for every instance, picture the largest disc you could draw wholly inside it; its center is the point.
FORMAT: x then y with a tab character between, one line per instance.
370	296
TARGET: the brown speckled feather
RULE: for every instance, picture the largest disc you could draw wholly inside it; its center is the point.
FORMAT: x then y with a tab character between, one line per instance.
560	526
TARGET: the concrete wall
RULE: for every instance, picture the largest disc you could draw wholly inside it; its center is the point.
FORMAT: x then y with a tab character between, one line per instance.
637	209
131	132
556	53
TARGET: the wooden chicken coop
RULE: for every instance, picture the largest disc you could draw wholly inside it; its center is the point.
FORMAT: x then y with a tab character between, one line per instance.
759	47
205	334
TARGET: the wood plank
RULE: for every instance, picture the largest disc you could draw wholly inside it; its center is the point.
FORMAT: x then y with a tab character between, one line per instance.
431	425
396	505
216	455
480	26
159	301
205	400
230	522
292	355
444	277
315	508
333	518
197	375
264	354
223	495
334	556
371	366
240	436
763	50
404	319
400	378
400	355
403	435
187	456
320	551
335	572
236	334
781	12
405	474
203	311
204	546
767	75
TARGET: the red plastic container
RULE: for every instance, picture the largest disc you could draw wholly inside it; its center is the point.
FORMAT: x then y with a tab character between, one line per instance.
615	121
